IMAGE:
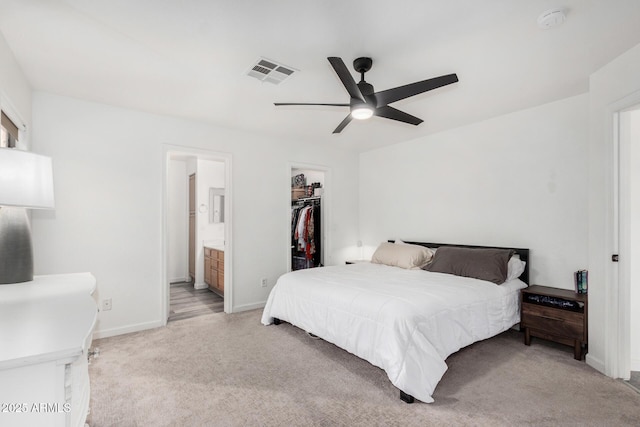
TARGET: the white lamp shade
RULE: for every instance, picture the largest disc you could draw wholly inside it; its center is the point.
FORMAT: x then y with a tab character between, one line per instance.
26	179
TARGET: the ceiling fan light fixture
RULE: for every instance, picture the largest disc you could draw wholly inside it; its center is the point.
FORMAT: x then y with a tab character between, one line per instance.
362	112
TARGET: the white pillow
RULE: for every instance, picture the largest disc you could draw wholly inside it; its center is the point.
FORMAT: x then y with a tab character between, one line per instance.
402	255
515	267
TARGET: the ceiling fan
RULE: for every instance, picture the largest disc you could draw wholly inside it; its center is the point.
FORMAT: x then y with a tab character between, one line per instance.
365	103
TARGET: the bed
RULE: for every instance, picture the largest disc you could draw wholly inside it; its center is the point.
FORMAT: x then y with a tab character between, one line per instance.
400	317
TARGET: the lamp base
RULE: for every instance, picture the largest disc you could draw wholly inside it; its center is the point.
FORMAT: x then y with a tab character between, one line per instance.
16	252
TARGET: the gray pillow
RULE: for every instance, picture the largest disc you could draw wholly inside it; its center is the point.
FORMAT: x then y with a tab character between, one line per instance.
479	263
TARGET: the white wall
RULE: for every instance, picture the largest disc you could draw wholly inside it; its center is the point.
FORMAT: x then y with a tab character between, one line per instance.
517	180
15	92
607	87
210	175
178	219
108	166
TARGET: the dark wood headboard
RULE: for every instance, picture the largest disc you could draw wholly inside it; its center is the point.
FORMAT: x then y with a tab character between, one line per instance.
524	253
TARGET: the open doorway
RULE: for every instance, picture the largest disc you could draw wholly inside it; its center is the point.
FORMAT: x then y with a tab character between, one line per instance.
197	226
307	217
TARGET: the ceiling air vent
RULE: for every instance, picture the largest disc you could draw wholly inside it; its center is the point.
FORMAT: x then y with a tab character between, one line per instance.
266	70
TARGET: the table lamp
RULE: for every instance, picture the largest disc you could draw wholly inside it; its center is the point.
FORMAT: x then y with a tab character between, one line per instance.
26	182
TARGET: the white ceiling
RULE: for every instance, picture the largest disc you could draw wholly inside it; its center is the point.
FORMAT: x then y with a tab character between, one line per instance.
189	58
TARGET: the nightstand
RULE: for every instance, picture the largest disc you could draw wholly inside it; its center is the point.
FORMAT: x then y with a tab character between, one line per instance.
558	315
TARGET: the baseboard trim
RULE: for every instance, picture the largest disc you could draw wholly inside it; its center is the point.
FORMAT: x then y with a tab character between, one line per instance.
179	280
247	307
596	364
106	333
201	285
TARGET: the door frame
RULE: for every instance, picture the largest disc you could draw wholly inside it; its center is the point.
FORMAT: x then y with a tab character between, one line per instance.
203	154
618	307
325	213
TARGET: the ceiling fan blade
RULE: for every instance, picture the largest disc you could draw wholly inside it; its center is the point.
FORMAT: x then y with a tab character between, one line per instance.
346	77
395	114
401	92
343	124
279	104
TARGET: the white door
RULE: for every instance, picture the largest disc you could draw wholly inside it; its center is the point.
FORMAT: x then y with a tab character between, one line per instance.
629	238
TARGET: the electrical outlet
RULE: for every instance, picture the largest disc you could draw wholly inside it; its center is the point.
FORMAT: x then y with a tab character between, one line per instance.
263	282
106	304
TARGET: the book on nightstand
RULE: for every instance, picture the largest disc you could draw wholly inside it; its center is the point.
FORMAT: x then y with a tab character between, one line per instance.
581	280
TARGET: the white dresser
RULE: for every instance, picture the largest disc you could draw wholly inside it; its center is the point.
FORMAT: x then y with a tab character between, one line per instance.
46	327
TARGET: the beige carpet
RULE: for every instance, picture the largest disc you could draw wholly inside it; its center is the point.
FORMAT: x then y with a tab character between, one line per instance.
229	370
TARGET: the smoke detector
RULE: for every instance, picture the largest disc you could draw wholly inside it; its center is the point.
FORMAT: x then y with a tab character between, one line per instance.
270	71
551	18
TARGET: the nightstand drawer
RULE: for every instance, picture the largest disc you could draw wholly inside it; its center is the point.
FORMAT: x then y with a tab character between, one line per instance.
553	321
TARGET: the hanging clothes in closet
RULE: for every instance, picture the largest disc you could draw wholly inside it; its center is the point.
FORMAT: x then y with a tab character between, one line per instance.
306	234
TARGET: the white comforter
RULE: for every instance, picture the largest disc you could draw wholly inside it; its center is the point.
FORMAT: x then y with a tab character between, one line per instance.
406	322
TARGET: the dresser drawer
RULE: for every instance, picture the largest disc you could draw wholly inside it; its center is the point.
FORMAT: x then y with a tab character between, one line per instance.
553	321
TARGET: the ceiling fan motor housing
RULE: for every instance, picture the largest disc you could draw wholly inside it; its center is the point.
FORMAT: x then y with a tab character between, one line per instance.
365	88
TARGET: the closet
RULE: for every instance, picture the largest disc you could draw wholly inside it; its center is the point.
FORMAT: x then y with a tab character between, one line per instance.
306	219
